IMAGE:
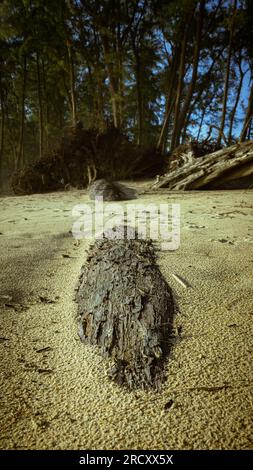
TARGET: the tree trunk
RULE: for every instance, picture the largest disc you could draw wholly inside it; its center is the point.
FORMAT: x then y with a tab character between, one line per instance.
233	112
119	58
41	117
248	116
139	101
46	104
186	105
226	84
22	121
2	134
201	123
202	86
100	106
249	130
72	84
176	134
113	81
170	101
139	92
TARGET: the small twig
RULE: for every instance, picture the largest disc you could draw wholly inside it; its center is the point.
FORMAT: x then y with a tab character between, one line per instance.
47	348
181	281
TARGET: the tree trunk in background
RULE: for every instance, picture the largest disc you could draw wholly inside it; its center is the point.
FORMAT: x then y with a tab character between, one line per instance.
72	84
100	121
201	123
139	101
46	104
138	92
248	116
41	118
249	130
226	84
191	88
203	85
175	134
113	81
119	54
233	112
170	101
22	121
2	134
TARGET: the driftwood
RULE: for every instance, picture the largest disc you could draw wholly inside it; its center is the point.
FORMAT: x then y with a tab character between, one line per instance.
230	167
110	191
187	153
126	309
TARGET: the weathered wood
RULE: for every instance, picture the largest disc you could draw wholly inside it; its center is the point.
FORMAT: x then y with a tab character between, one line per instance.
126	309
212	171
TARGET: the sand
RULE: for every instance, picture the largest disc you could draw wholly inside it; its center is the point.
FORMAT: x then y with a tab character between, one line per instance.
55	393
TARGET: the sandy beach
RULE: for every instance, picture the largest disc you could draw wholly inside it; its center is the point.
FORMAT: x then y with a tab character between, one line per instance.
55	393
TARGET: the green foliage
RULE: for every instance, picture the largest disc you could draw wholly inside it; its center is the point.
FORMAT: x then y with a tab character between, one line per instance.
112	61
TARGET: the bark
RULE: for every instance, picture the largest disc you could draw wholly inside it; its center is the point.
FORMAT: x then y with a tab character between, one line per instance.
22	120
128	315
227	74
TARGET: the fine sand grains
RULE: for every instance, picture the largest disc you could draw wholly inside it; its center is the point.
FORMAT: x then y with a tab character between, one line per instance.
55	393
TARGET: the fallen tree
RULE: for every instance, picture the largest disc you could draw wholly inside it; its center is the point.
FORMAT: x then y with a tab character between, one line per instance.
230	167
84	155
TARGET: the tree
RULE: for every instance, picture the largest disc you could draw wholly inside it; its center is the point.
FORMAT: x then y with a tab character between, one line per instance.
227	73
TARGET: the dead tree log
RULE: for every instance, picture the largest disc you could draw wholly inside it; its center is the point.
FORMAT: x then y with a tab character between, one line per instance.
126	309
228	167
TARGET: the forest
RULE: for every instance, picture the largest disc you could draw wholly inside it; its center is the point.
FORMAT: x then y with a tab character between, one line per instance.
164	72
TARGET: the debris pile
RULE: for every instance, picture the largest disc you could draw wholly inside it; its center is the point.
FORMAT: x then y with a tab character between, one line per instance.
84	155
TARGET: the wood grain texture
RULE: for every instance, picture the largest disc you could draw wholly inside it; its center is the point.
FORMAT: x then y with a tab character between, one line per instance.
126	309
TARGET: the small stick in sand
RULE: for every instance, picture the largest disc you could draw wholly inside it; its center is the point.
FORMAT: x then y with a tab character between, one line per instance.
181	281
